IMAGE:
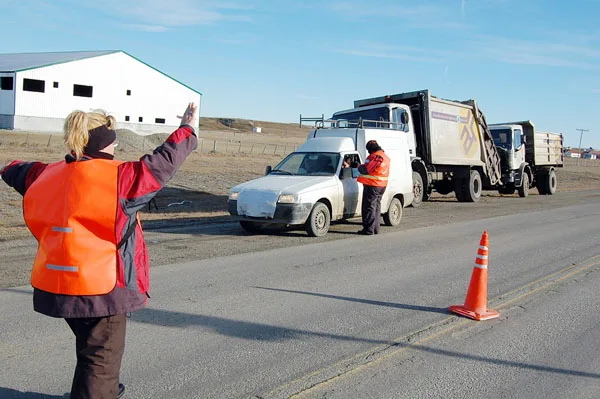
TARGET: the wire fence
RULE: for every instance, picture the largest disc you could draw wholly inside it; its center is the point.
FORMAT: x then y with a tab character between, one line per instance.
148	143
229	146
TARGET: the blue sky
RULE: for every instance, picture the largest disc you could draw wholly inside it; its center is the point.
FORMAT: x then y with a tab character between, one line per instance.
273	60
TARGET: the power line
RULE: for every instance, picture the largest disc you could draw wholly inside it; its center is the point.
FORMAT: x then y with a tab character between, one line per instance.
580	137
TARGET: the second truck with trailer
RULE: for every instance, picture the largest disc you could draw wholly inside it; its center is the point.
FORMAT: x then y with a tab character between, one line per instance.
528	158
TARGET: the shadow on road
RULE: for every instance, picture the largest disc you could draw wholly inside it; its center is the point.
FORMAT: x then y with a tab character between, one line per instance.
366	301
8	393
270	333
236	328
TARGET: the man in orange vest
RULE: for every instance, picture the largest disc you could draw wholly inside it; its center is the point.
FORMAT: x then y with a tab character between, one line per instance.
92	263
374	175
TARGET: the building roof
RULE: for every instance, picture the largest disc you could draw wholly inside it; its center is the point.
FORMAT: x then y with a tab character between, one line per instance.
23	61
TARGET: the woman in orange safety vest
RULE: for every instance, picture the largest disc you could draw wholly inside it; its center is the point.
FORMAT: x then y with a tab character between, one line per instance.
92	267
374	177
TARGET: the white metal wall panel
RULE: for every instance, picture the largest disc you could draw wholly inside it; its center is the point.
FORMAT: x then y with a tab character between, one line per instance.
153	94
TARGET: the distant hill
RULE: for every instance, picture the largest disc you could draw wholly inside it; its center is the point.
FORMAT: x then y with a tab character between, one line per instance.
247	126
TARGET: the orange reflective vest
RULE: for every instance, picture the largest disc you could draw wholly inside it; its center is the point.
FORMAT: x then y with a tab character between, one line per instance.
378	166
71	210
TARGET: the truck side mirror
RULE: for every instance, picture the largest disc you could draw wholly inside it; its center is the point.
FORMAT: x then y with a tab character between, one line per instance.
268	169
404	117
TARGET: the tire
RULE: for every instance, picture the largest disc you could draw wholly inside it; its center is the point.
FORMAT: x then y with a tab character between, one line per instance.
542	183
394	213
469	190
509	189
418	190
250	227
318	221
551	182
524	189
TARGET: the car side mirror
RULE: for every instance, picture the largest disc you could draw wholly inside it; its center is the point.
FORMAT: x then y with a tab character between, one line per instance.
268	169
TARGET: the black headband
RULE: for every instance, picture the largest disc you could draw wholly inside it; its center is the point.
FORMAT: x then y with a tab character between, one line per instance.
100	138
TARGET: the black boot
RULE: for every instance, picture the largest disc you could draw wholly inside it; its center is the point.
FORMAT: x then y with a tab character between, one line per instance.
121	391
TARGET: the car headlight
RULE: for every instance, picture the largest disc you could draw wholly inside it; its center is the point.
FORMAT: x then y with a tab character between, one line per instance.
234	195
288	198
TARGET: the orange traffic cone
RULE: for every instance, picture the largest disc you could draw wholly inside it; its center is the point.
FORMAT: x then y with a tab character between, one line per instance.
475	306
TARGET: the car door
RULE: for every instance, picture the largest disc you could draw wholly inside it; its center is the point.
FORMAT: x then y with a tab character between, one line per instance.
351	188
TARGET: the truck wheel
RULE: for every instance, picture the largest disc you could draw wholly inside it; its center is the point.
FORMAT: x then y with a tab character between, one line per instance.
418	189
318	221
469	190
542	183
524	189
394	213
551	182
250	227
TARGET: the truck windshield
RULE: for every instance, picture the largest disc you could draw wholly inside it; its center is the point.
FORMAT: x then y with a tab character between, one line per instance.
370	115
308	164
502	138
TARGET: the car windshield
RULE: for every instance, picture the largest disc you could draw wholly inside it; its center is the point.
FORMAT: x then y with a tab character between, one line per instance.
502	138
308	164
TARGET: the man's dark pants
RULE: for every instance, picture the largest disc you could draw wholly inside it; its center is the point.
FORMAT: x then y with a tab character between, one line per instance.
371	208
100	343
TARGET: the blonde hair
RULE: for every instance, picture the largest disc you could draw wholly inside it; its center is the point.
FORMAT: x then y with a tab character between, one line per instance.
77	127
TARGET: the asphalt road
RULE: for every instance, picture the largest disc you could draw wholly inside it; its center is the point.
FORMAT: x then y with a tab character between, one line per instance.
355	318
174	241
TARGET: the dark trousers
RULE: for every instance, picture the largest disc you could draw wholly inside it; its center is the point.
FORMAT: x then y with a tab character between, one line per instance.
371	208
100	343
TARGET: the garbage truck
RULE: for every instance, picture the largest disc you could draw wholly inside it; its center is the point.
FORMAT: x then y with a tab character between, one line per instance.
313	186
450	145
528	158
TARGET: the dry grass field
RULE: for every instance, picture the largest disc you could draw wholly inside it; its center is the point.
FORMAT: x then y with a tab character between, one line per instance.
227	155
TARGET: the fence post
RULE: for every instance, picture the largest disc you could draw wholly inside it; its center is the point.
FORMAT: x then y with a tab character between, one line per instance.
264	149
251	148
49	138
275	150
215	146
240	147
226	146
27	139
144	144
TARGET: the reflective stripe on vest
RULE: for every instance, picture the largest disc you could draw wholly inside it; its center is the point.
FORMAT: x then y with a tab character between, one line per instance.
71	210
379	176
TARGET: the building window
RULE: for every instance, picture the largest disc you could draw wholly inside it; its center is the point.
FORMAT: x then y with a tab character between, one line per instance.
38	86
140	119
126	118
82	91
6	83
128	92
55	85
159	120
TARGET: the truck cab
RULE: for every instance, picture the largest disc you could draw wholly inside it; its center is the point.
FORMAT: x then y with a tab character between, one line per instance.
510	141
387	115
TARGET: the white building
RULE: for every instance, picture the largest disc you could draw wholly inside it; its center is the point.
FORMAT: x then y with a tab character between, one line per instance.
38	90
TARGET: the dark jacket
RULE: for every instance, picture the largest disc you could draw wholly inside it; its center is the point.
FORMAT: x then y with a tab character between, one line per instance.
138	182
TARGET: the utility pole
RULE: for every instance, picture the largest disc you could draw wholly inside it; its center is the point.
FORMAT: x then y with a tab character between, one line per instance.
580	137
